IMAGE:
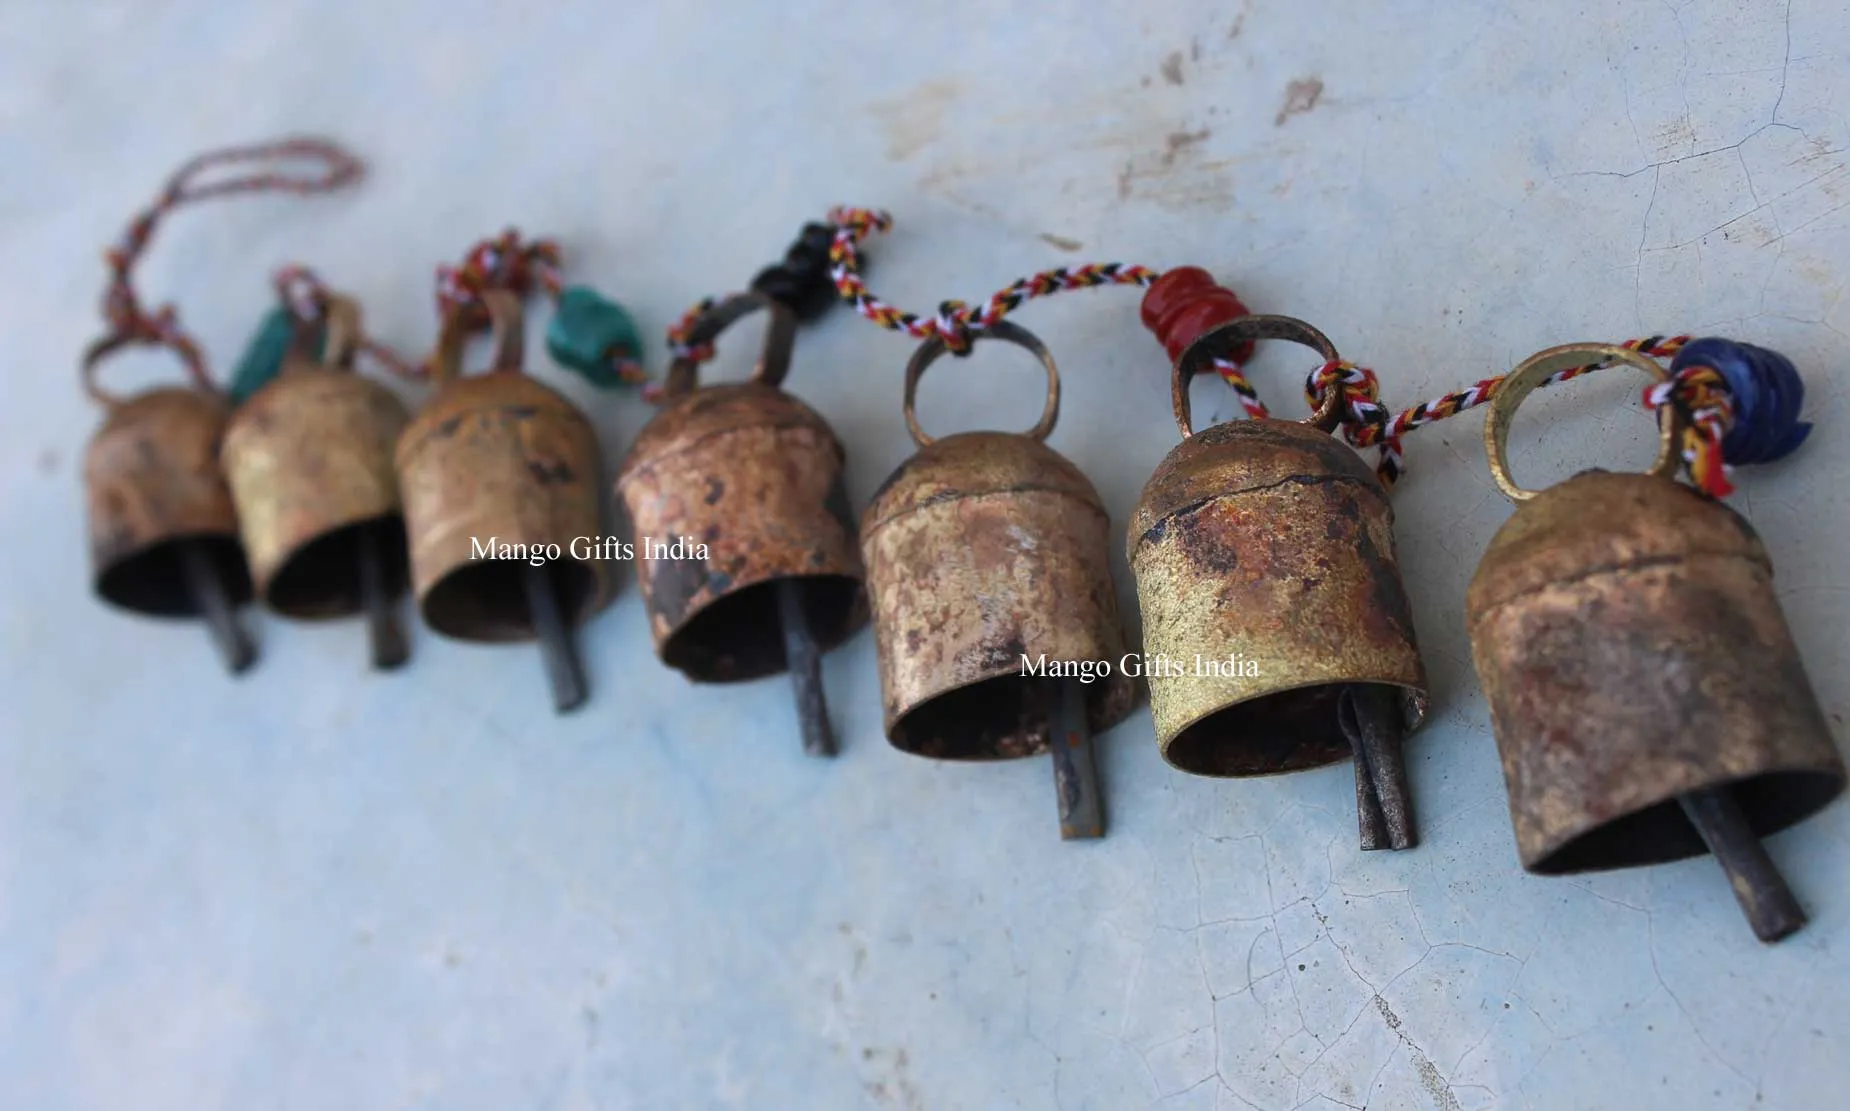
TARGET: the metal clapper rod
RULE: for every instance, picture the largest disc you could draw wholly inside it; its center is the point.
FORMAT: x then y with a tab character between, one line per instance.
804	661
388	638
562	665
1075	773
1371	721
214	602
1762	892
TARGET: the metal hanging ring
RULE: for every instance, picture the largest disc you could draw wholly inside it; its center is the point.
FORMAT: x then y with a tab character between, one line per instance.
934	348
1197	356
509	318
102	349
773	358
1534	372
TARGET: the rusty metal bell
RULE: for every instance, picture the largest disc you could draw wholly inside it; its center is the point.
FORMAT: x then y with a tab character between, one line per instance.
1277	635
1647	698
747	559
310	465
500	476
163	529
995	618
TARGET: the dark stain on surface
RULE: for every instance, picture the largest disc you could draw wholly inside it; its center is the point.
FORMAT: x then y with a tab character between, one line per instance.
555	473
1172	68
676	583
836	504
1300	97
715	490
1177	141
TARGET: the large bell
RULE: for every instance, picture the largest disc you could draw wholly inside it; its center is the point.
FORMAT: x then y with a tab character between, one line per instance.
309	461
500	476
995	618
163	529
747	556
1277	634
1646	694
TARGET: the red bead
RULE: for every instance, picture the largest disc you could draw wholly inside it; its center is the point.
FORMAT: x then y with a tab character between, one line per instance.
1185	303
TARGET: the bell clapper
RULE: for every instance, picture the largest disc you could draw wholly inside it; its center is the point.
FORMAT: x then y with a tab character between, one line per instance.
563	668
389	648
1075	773
1384	811
1765	899
214	602
804	661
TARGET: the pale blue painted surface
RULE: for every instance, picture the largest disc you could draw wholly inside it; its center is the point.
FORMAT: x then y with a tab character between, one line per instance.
314	888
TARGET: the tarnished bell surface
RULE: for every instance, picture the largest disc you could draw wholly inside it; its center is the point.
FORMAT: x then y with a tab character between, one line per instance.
499	459
982	549
1632	649
1264	556
756	476
310	462
152	480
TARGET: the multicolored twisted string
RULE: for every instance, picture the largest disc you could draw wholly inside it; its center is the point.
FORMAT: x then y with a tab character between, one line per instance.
302	291
127	320
1700	393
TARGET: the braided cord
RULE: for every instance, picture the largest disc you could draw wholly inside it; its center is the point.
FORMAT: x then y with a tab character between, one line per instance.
1699	393
124	315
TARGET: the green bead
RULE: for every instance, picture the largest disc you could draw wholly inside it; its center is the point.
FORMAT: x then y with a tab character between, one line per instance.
263	356
590	334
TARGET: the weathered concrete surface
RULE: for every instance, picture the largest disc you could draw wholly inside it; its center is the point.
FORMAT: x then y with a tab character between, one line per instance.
319	888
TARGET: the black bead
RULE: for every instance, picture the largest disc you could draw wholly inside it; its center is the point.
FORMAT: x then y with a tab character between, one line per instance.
801	281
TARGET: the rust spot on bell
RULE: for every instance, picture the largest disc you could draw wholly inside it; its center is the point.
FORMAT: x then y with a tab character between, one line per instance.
982	550
152	483
1632	650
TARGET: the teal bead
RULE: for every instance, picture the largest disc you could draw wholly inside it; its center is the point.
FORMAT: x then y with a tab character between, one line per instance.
591	335
263	356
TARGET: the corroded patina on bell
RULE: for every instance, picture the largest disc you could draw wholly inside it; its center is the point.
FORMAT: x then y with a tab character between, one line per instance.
309	458
990	582
1277	634
163	528
1646	694
500	475
749	479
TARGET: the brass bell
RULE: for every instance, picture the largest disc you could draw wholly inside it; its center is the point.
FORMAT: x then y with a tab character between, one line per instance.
746	546
1277	635
500	475
995	619
309	460
1647	697
163	529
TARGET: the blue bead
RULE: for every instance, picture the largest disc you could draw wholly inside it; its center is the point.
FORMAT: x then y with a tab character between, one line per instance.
592	335
263	355
1767	393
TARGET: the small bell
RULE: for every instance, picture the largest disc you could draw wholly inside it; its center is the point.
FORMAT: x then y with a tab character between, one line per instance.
163	529
1646	694
995	618
746	544
309	458
500	475
1277	635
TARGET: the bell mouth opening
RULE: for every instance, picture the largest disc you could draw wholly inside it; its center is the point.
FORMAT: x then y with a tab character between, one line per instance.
1002	718
1276	734
153	581
741	636
322	579
486	601
1660	834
